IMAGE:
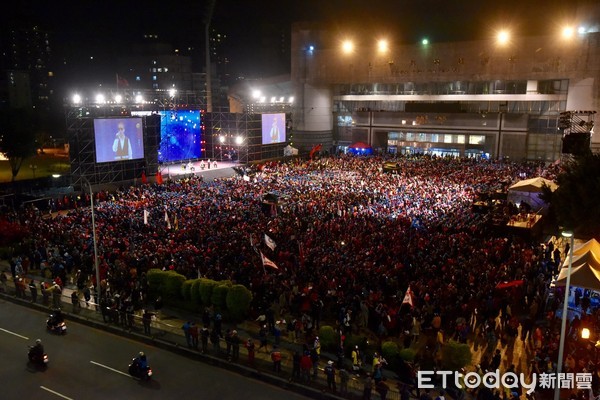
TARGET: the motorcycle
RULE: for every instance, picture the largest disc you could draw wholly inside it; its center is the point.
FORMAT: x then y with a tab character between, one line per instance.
137	372
56	327
38	359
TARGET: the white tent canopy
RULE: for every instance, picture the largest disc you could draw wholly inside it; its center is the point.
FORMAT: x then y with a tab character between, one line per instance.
529	191
585	271
290	151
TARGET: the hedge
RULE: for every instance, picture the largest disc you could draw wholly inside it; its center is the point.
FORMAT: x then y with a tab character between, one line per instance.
219	296
328	338
455	355
173	283
186	290
238	301
206	289
195	292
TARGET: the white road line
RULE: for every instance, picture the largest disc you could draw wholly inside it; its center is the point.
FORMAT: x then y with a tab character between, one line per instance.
107	367
56	393
16	334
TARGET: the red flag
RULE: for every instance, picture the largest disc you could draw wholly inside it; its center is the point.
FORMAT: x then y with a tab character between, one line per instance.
144	179
159	178
121	82
408	297
315	149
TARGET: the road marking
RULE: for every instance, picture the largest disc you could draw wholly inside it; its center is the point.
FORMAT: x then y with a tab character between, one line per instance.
107	367
16	334
56	393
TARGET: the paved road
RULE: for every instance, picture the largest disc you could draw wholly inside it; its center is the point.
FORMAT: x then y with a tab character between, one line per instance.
92	364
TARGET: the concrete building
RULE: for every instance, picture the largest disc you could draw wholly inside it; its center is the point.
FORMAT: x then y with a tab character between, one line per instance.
478	98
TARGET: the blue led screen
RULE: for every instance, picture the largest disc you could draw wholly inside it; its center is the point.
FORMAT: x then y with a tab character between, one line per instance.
180	133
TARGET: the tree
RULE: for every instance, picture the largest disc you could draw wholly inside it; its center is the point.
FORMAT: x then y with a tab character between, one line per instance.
575	202
17	136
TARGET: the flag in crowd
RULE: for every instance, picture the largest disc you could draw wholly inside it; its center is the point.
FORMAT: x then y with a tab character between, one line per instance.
266	262
270	242
408	297
167	218
159	178
146	213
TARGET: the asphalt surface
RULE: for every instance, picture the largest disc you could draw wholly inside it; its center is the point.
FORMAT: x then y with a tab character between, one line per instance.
166	334
88	363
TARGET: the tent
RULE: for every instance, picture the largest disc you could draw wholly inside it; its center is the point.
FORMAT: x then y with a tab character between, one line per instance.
585	271
529	191
360	148
290	151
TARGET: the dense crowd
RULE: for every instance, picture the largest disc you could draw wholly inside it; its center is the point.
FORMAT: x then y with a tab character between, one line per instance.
350	239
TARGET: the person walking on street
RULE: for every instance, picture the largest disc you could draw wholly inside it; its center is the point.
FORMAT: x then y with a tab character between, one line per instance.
33	290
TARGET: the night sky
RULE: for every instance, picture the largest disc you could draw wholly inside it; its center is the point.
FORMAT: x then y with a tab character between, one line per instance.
104	29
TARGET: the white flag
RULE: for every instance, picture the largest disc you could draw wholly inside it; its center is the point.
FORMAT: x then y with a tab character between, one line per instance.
146	213
167	219
270	242
408	297
266	262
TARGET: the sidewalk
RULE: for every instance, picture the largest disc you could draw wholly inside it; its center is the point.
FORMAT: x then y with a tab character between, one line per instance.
166	332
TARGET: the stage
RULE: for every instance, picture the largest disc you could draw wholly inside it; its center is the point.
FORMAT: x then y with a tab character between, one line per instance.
525	224
223	169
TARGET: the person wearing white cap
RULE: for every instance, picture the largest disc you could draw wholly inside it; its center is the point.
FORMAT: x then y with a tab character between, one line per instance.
330	373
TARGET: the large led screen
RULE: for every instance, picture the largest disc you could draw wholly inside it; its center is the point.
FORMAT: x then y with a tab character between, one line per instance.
273	128
180	133
118	139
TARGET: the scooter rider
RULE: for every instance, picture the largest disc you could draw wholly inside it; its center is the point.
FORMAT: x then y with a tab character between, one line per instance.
141	362
37	351
55	318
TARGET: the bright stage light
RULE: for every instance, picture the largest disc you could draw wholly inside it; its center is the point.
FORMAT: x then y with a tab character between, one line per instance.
503	37
118	98
291	100
382	46
239	140
568	32
222	139
139	98
256	94
172	92
347	47
100	98
76	99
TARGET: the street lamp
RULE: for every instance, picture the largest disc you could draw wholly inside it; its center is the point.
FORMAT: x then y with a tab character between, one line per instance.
98	286
565	316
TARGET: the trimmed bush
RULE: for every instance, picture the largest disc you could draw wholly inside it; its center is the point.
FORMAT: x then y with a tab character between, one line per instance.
328	338
195	292
219	297
186	289
455	355
156	280
238	301
407	354
390	351
206	289
173	283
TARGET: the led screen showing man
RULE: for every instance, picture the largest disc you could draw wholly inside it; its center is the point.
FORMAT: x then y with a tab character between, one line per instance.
273	128
118	139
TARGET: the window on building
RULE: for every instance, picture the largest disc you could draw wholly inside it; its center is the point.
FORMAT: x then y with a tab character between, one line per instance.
476	139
